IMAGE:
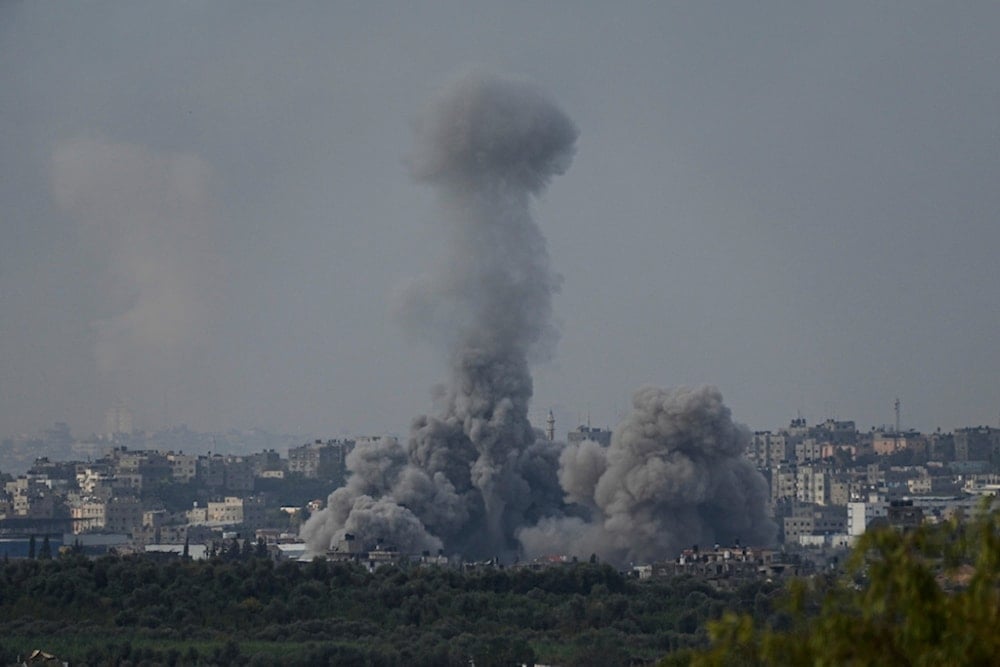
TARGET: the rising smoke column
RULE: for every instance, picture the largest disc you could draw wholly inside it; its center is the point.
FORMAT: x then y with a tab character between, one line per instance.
488	145
673	476
475	478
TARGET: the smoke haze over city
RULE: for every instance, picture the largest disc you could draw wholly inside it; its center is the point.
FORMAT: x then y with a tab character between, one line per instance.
216	214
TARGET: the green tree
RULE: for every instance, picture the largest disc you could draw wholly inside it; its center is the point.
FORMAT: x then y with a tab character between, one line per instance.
261	550
926	597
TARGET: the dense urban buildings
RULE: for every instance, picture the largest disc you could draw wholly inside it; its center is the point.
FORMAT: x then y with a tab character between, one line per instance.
828	483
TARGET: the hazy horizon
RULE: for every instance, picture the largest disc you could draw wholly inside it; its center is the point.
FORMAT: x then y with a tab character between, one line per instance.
209	213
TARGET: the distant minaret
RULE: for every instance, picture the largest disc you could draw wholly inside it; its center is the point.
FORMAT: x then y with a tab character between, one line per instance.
550	427
895	436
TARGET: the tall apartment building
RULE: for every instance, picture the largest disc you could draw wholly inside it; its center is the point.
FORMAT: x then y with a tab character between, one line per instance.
941	447
141	468
770	450
808	450
266	461
239	474
980	443
212	470
319	459
231	473
784	480
813	485
801	443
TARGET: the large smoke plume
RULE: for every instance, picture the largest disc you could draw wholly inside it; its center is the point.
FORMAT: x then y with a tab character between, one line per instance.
673	476
475	478
488	145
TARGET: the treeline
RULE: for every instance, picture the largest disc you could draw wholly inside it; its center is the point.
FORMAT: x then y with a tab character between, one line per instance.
137	611
926	596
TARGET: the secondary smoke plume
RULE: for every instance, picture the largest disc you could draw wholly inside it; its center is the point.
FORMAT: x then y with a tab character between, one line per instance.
673	476
149	218
488	145
475	478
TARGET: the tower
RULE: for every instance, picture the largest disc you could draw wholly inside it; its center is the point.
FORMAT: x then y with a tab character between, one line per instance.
895	406
118	419
550	427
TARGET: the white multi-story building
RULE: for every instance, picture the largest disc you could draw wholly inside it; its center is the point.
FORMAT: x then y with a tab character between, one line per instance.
88	514
231	511
228	511
861	514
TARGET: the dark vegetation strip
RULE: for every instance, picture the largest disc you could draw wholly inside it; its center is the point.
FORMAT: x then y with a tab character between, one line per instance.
134	610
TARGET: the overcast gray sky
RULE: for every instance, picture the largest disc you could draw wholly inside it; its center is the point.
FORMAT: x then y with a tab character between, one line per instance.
206	211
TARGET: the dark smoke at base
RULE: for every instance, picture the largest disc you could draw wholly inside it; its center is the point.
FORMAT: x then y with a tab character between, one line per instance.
488	145
475	478
673	476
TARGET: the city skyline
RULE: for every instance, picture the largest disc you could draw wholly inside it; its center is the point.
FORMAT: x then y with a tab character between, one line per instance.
563	428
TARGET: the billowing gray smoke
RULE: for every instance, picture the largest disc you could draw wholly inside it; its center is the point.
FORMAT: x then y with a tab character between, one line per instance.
467	476
673	476
476	478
